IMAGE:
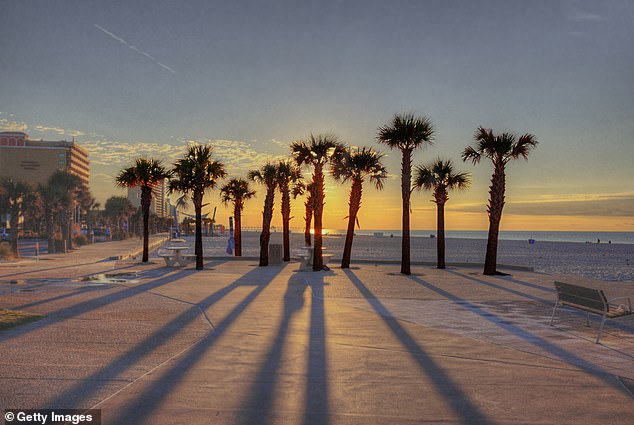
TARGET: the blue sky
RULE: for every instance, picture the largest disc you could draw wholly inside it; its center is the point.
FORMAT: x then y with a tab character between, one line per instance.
130	78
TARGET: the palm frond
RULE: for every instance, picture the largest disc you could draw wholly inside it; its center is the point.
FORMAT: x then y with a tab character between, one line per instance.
407	131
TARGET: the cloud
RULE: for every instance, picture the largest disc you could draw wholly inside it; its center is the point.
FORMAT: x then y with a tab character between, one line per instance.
43	129
602	204
582	16
137	50
10	125
238	156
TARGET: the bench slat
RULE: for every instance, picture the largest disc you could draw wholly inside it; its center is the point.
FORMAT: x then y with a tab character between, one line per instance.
589	298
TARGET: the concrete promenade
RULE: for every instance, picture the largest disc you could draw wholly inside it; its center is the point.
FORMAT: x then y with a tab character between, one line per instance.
240	344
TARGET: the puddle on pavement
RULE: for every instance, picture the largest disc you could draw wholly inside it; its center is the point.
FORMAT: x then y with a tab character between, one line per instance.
105	278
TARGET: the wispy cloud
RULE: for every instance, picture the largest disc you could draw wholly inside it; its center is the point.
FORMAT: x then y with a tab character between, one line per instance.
238	156
10	125
137	50
600	204
582	16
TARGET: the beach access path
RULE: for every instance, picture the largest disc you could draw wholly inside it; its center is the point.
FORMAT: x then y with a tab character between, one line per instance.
241	344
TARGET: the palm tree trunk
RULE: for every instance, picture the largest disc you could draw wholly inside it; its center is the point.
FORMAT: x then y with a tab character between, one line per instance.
440	241
286	219
353	210
406	181
237	231
267	216
69	224
146	200
318	205
50	230
13	222
198	244
496	204
308	218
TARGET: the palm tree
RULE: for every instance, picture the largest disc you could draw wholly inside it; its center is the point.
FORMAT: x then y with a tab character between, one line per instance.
287	174
192	176
441	178
266	175
356	167
119	210
406	133
59	196
500	149
145	173
317	152
298	190
237	191
15	195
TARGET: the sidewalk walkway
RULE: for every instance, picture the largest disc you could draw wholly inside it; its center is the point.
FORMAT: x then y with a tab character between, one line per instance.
240	344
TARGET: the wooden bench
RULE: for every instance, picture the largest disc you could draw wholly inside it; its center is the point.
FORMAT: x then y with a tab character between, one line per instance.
591	301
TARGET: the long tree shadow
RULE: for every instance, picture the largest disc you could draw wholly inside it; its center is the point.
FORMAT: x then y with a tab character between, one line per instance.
162	272
529	337
502	288
71	266
316	406
261	396
147	402
463	407
87	387
75	310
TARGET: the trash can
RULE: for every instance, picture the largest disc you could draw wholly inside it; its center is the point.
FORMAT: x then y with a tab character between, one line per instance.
275	253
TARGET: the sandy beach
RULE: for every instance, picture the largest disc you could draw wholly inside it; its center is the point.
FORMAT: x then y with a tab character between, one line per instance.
610	262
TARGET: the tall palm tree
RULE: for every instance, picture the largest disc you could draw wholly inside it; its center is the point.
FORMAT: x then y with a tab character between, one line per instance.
145	173
15	195
237	191
440	177
287	174
500	149
317	152
356	167
192	176
298	190
266	175
406	133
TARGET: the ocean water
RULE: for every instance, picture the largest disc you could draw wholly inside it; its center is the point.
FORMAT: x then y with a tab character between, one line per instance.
582	237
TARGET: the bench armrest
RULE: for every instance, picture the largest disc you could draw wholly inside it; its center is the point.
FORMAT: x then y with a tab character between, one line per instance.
629	301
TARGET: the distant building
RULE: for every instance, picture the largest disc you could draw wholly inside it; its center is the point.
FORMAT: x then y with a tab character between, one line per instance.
34	161
159	204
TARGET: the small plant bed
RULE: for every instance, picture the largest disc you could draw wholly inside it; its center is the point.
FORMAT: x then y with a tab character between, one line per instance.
13	318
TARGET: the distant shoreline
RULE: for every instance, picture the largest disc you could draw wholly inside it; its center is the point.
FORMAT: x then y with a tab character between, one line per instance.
511	235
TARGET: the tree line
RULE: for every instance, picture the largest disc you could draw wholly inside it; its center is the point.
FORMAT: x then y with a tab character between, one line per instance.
198	172
50	209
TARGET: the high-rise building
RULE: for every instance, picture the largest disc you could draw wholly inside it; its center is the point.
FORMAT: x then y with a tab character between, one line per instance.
159	201
34	161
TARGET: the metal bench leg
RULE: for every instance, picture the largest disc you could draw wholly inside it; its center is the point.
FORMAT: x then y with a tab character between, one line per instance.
600	329
588	320
553	315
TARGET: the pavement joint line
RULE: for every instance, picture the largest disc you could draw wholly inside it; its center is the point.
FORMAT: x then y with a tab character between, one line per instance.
211	324
152	370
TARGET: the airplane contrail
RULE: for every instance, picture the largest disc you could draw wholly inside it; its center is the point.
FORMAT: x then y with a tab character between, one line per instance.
139	51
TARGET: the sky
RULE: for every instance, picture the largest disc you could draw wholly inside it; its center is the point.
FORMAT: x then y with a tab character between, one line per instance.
146	78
